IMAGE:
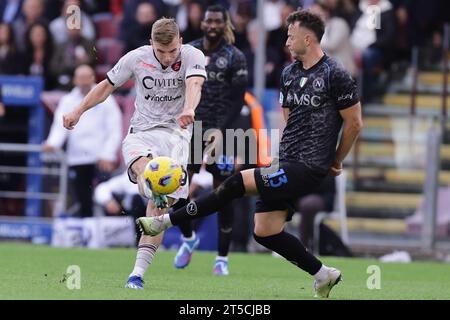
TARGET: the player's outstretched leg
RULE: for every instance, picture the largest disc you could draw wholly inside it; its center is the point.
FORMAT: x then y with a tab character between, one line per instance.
231	188
147	245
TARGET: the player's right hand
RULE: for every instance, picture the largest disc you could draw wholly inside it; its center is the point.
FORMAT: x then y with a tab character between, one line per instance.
186	118
336	169
71	119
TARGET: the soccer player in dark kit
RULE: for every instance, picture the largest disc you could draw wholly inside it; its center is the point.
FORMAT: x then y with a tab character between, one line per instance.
220	105
318	98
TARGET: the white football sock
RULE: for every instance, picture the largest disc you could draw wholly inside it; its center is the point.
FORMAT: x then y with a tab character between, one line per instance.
322	274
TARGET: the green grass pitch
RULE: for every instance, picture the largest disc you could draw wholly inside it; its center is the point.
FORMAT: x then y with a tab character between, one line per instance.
38	272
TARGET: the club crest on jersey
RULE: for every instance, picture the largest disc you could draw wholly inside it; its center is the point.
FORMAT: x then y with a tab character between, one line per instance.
176	66
318	84
221	62
303	81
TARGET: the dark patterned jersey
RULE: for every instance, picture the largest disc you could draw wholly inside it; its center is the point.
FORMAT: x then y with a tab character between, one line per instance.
314	97
226	68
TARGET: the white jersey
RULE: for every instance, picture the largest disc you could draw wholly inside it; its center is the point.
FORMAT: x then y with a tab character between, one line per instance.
160	92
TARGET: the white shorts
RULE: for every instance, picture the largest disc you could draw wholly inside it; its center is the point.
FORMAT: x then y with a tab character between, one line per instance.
158	142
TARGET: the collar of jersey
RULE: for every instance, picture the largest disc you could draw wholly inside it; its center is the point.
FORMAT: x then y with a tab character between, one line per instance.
162	67
315	66
221	44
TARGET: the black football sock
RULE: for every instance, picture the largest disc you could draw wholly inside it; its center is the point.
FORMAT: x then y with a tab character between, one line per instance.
186	226
292	249
225	223
230	189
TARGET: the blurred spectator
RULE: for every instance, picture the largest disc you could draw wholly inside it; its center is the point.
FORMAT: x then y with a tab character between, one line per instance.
345	9
241	20
93	144
277	38
129	15
32	13
274	62
60	30
336	38
10	10
139	33
272	14
373	45
11	60
119	196
194	19
39	52
70	54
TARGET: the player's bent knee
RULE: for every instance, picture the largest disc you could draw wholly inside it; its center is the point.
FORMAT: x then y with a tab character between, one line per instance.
262	231
262	239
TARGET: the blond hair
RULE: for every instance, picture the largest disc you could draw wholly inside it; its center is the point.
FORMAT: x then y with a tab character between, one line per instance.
165	30
228	33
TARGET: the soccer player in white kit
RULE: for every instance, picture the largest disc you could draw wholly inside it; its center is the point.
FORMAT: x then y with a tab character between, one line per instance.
168	81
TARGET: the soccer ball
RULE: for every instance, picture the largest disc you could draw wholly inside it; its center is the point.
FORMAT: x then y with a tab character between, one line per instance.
163	175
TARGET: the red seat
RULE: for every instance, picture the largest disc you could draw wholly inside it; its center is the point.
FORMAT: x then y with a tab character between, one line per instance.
109	51
106	25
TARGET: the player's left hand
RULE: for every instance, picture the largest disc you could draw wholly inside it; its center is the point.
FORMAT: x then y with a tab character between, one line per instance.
186	118
336	169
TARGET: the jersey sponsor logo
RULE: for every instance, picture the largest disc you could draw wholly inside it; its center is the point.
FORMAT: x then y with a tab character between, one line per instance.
198	67
318	84
303	81
147	65
165	98
221	63
347	96
216	76
116	69
242	72
176	66
307	100
149	82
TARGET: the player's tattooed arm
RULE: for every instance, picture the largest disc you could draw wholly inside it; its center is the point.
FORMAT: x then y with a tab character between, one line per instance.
352	127
97	95
193	94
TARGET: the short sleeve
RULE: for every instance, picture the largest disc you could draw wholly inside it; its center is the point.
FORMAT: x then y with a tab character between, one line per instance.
344	89
122	71
239	75
283	91
195	63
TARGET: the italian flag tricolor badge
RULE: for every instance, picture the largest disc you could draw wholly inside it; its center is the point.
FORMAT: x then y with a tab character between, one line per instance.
303	81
